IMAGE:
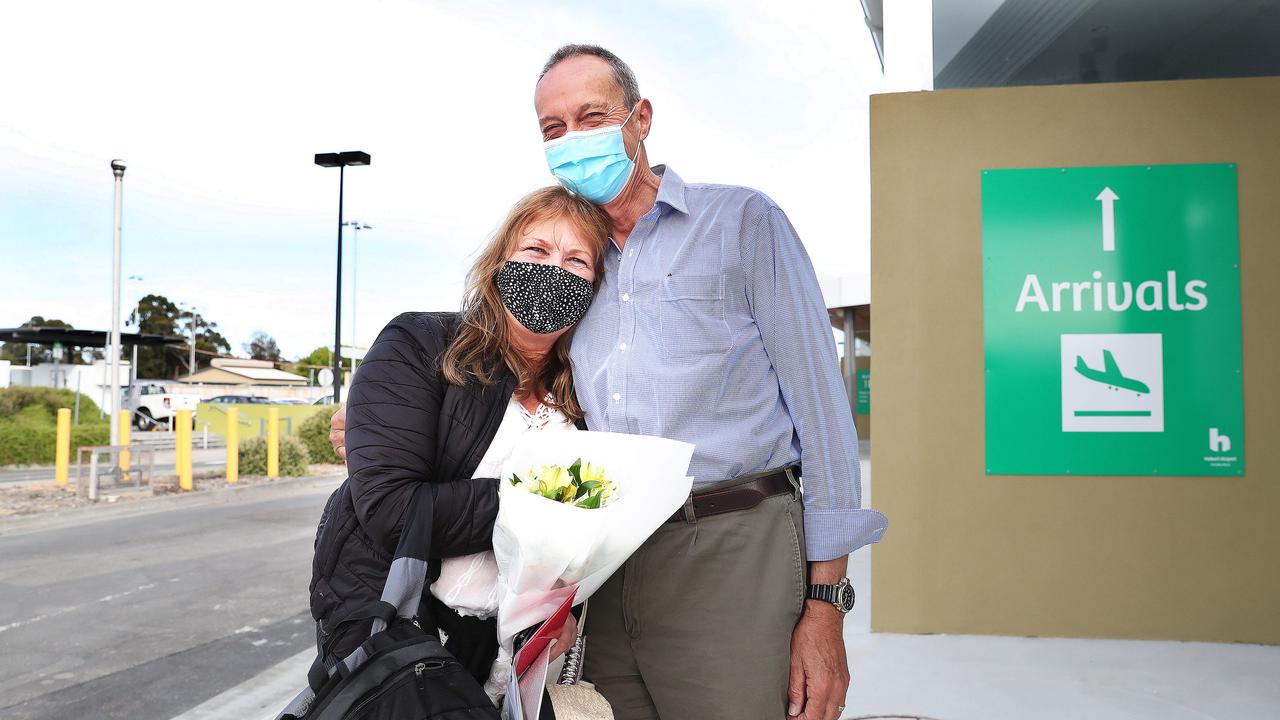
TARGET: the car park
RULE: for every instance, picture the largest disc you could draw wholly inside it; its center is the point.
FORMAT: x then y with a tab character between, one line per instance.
239	399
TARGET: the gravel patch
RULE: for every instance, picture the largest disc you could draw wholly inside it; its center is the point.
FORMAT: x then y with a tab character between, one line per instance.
22	499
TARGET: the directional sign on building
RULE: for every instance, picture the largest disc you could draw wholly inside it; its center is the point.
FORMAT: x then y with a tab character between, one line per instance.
863	397
1111	308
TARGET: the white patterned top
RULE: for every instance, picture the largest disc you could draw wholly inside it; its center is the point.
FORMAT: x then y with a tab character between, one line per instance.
468	584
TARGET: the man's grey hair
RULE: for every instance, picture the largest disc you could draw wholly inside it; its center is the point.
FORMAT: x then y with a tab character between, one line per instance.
622	74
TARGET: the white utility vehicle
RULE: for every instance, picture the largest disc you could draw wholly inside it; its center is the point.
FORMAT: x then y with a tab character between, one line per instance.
153	405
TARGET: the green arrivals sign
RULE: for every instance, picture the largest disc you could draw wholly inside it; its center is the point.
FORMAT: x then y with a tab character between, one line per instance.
863	392
1111	309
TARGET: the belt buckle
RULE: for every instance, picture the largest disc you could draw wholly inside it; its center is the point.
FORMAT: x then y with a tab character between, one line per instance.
687	511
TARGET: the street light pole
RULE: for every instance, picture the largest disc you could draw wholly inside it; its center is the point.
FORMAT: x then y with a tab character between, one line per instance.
337	311
356	227
117	169
191	363
341	161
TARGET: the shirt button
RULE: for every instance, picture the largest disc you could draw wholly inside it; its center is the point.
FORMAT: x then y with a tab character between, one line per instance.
617	397
623	347
626	297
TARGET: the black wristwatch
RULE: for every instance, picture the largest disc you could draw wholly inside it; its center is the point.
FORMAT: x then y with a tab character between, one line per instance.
840	595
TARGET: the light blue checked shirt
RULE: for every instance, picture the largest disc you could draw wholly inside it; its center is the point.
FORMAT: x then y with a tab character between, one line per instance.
709	328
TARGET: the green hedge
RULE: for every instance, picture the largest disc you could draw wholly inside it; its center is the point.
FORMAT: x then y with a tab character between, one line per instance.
314	433
23	443
15	399
28	425
293	457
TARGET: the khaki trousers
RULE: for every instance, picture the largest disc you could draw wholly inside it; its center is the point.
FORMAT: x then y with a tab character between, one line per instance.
697	624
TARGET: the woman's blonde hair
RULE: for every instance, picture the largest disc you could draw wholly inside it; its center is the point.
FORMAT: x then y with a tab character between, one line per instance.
482	339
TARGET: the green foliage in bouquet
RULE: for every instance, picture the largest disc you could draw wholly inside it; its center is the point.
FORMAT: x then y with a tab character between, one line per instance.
584	486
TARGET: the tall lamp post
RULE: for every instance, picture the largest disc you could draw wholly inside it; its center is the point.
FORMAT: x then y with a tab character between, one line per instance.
356	227
341	161
117	169
191	328
133	365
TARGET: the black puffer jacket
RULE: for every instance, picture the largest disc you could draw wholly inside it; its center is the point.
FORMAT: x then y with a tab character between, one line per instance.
406	425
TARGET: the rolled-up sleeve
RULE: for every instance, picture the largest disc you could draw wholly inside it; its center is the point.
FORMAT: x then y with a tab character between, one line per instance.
793	322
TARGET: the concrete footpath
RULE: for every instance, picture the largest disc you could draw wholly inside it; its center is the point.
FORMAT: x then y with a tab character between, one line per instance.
955	677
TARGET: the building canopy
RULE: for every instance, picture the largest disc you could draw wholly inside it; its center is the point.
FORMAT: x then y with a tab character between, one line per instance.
82	338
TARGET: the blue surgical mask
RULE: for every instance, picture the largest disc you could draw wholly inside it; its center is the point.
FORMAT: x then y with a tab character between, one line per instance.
592	164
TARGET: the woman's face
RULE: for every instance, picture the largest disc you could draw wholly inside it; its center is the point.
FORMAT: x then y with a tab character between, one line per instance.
555	241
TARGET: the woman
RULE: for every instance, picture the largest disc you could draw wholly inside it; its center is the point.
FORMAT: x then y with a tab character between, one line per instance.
441	398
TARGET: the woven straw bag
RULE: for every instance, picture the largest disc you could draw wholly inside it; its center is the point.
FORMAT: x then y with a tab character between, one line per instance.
571	698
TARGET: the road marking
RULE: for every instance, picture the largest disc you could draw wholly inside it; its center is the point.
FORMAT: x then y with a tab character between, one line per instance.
262	696
73	608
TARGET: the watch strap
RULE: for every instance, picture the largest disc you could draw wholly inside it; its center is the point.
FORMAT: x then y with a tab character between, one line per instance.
825	593
840	595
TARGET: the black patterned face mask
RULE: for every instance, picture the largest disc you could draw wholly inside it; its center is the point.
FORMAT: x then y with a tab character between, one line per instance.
544	298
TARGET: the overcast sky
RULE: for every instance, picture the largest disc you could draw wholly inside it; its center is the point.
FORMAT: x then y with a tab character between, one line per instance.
218	112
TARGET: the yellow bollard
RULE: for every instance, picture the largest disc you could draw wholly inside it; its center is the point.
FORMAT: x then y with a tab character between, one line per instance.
273	442
125	427
233	445
183	447
62	447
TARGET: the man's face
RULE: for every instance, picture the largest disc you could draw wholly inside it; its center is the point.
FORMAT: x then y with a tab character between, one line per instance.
580	94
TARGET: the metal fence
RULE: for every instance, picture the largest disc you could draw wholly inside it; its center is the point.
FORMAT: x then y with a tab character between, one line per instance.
136	469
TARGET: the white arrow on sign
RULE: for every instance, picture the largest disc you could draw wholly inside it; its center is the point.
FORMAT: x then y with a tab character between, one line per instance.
1108	199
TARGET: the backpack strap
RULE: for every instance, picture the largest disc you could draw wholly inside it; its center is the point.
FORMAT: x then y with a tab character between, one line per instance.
408	574
401	597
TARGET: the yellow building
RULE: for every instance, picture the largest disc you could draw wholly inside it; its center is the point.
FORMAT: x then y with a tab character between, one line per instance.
235	371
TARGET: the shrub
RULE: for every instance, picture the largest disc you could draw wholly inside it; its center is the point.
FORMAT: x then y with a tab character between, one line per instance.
23	442
314	434
15	399
293	457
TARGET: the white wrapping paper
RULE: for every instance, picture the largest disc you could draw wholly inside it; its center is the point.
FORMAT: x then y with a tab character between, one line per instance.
541	545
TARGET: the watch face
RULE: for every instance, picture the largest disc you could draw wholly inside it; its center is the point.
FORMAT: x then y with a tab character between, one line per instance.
846	597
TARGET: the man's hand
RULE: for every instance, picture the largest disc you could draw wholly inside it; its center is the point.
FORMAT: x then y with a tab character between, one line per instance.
568	636
338	432
819	669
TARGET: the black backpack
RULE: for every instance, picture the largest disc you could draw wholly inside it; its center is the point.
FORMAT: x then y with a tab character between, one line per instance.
401	671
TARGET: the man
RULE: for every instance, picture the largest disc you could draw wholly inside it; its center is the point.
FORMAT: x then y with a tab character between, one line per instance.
709	328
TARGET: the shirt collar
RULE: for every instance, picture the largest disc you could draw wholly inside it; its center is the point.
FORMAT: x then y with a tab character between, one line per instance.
670	189
670	193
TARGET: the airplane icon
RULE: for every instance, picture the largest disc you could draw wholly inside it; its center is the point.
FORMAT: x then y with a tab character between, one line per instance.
1110	375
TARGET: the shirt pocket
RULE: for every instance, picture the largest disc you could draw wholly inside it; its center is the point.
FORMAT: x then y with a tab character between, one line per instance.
691	317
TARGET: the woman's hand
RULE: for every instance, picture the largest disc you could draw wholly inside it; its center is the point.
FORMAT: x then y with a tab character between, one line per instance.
568	636
338	432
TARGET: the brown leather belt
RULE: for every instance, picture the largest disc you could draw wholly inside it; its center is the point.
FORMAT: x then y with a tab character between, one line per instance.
738	497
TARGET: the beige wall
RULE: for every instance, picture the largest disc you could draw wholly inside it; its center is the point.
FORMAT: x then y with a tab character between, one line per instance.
1127	557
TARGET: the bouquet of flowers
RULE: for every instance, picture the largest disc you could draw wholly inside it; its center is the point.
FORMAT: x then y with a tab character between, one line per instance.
542	548
564	525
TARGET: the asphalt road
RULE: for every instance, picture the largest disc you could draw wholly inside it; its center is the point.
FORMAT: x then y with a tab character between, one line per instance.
146	616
